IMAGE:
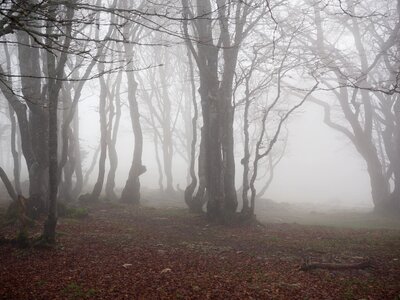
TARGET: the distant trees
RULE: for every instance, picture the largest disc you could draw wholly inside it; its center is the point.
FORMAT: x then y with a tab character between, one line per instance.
359	66
226	60
213	35
161	98
269	116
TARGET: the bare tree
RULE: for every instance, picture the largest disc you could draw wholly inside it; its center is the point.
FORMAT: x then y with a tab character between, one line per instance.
216	93
55	72
131	191
365	87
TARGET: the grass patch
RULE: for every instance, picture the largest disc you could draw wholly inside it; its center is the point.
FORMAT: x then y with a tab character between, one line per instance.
75	291
72	212
76	212
40	283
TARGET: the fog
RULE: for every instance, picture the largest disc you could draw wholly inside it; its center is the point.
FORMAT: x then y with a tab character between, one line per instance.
318	162
221	107
200	149
319	165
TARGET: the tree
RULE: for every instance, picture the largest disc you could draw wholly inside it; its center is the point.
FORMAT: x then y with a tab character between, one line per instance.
262	74
131	191
364	82
216	92
55	73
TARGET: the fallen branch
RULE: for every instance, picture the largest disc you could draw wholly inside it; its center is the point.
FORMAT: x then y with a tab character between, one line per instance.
333	266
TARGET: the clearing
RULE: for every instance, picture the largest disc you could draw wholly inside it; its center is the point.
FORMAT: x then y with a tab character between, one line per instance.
121	252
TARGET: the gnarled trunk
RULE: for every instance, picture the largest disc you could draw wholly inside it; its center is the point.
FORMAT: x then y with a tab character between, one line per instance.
131	191
29	63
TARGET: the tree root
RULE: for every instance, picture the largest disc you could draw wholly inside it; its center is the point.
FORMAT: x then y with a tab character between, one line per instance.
307	266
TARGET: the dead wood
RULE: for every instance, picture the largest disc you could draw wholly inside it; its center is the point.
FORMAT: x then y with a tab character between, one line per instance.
334	266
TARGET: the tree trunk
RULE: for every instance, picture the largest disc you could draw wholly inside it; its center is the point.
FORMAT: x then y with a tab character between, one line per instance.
167	145
195	204
201	197
131	191
112	136
53	87
15	155
379	186
230	200
395	197
92	166
103	138
77	155
67	166
158	160
8	185
49	233
266	185
30	70
14	132
212	145
246	158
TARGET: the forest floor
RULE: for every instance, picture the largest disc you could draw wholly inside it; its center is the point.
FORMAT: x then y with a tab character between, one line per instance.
122	252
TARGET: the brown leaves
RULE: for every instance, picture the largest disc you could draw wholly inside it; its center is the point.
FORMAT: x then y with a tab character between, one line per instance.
156	254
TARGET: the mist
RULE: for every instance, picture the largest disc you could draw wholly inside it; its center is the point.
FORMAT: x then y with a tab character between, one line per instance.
231	126
319	164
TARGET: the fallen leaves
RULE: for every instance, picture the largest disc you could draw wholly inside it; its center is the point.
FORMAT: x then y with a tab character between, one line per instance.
120	253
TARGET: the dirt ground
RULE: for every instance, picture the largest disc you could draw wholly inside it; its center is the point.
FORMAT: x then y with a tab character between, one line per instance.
121	252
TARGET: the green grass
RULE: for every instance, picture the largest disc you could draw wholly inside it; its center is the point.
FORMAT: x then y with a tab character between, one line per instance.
76	212
75	291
